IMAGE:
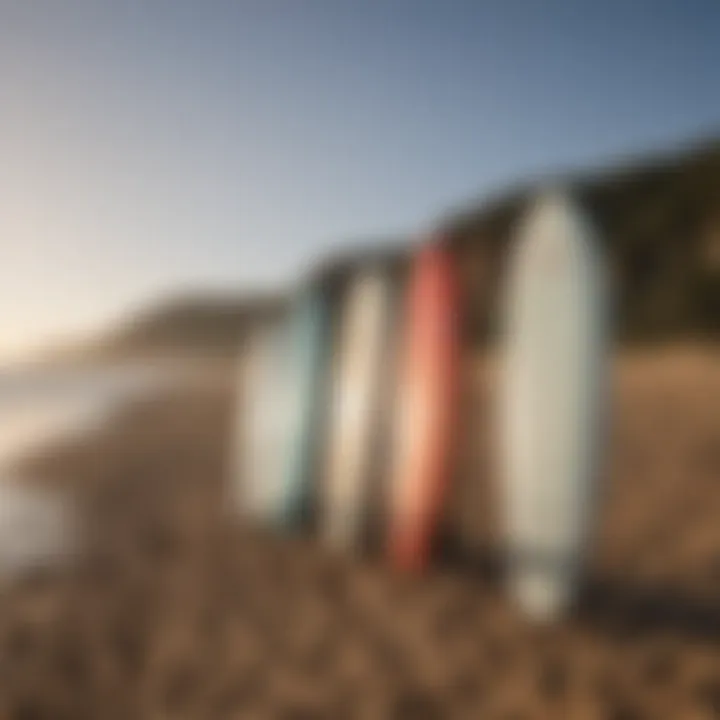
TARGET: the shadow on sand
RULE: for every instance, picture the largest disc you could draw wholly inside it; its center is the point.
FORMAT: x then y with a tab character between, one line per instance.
614	606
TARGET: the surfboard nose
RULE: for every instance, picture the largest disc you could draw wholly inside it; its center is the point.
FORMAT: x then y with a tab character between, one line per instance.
554	224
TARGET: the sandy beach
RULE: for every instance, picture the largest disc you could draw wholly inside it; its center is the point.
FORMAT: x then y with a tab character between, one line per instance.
173	609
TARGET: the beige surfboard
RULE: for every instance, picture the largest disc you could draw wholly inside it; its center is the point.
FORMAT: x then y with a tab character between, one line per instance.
355	400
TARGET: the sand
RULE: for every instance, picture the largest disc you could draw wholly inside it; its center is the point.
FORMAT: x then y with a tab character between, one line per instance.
176	610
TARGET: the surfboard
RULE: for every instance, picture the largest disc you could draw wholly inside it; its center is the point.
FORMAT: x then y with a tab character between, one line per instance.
259	425
306	358
426	399
364	320
551	401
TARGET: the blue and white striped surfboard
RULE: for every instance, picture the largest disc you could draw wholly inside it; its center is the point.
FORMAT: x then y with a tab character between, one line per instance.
306	358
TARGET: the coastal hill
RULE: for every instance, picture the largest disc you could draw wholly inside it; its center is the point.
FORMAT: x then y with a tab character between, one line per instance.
659	218
200	324
660	221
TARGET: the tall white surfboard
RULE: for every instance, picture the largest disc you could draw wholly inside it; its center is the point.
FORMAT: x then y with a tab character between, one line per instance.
355	399
259	442
552	401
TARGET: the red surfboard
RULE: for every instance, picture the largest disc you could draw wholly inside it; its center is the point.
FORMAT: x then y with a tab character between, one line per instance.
424	426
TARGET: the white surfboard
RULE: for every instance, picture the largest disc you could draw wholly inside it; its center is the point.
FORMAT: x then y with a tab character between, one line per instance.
355	400
259	447
551	402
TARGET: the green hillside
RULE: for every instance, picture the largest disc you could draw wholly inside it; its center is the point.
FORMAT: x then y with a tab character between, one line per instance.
660	221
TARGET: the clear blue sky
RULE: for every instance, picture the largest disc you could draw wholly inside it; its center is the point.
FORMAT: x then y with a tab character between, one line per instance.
148	145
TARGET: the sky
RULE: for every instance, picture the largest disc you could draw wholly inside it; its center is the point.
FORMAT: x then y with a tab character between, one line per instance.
149	146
